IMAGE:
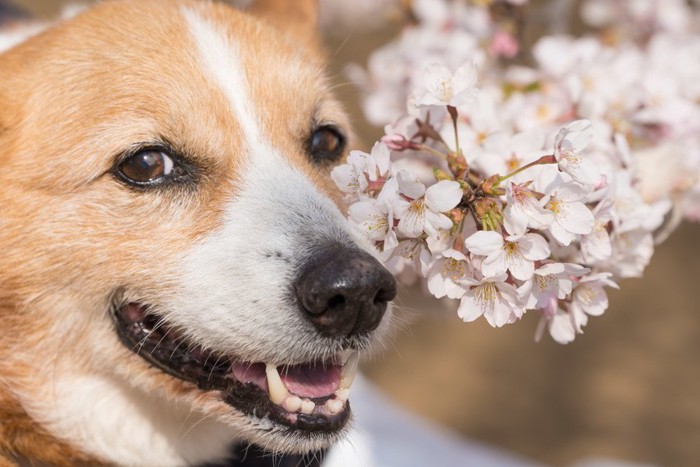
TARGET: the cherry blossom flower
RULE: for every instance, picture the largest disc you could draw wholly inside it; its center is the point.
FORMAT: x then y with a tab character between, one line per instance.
354	178
524	210
375	217
410	252
445	88
571	215
516	253
558	321
597	246
492	298
471	201
424	212
571	141
504	45
504	152
551	281
448	275
589	298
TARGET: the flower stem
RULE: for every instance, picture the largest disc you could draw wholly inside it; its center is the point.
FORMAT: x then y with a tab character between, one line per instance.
435	152
454	115
541	161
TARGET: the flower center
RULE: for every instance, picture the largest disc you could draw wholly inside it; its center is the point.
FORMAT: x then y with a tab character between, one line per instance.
554	205
453	269
486	294
511	249
417	207
544	281
445	90
378	223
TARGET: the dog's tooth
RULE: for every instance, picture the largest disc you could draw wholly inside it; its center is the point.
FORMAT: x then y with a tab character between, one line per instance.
278	393
293	404
334	406
307	406
342	394
349	371
345	355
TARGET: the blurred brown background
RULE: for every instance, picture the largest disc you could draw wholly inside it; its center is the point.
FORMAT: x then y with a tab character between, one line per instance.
628	389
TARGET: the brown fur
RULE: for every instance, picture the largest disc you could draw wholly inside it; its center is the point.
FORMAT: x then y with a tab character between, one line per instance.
69	100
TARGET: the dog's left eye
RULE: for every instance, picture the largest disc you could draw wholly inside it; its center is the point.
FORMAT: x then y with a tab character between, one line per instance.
146	167
327	144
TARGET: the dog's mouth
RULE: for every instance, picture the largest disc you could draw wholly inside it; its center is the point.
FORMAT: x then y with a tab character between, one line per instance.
310	397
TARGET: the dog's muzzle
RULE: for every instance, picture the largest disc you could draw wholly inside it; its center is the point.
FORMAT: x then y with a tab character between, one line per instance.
342	294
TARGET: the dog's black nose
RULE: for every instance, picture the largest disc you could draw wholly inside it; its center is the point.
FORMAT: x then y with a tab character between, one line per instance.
344	291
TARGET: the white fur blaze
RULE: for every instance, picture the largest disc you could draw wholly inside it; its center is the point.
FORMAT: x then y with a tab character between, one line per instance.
239	278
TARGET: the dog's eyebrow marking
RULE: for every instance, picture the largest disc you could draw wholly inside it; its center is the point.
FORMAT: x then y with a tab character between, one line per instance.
221	60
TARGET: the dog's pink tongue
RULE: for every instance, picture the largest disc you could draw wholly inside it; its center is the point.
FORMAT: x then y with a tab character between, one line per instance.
311	380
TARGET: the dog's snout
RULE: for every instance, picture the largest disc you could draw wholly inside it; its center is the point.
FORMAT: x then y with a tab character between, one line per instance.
344	291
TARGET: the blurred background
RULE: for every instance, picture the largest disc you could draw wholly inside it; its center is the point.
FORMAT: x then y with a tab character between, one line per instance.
628	389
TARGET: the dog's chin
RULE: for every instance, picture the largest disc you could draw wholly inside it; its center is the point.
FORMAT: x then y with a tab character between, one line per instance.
304	402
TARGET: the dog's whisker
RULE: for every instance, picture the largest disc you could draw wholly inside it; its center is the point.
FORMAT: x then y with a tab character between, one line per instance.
213	368
145	338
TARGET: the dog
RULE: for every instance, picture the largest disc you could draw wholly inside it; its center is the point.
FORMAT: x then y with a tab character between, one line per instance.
177	274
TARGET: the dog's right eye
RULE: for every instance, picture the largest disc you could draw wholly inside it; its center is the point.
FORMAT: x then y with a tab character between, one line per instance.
147	167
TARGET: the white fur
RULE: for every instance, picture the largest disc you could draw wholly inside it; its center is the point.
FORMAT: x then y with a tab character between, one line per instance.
236	287
219	59
113	421
110	413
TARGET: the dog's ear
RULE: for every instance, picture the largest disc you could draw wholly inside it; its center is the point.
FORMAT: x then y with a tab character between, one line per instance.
299	18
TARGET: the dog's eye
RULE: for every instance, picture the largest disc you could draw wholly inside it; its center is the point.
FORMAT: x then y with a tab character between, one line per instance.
327	144
147	166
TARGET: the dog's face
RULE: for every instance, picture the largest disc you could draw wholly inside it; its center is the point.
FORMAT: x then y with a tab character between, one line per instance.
168	227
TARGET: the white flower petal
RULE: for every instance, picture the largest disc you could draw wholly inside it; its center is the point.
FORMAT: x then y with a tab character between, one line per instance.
527	142
561	235
534	247
590	299
515	220
390	192
500	313
550	268
576	218
439	82
348	179
443	196
521	268
561	328
495	264
436	284
580	169
468	309
484	242
597	246
465	77
382	156
435	221
371	218
390	241
412	223
409	184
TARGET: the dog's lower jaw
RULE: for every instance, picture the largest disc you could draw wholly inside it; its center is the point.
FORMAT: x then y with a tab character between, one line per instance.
139	415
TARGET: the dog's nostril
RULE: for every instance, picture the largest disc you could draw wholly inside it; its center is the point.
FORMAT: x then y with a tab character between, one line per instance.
344	291
335	301
384	296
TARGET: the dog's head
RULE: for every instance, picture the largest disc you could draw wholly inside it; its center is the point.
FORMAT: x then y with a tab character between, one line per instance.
168	228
